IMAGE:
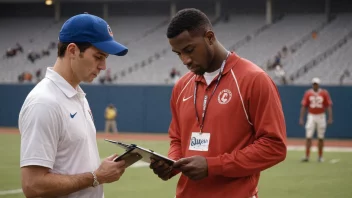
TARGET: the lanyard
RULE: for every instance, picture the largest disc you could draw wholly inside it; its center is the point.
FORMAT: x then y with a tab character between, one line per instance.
205	100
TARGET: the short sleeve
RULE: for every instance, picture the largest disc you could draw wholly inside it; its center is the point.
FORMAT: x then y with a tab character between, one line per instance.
40	126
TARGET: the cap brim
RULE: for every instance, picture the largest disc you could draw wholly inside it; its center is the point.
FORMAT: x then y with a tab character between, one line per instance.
111	47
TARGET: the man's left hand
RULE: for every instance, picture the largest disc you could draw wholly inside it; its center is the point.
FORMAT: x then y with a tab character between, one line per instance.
195	167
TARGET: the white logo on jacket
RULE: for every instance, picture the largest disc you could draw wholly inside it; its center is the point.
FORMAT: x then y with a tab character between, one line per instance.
224	96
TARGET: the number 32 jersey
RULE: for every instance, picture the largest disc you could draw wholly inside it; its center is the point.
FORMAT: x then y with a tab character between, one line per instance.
316	102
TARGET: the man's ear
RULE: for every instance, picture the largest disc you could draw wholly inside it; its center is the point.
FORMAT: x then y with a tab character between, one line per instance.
72	50
210	37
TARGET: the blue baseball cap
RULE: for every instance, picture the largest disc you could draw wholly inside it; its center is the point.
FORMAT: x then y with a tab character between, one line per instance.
92	29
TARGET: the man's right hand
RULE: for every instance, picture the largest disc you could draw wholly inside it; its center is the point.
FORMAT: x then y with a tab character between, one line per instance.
110	171
162	169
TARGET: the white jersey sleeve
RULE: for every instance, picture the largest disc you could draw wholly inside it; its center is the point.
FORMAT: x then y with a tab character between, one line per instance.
40	125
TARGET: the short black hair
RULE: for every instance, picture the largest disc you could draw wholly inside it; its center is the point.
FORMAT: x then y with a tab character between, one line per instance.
61	48
189	19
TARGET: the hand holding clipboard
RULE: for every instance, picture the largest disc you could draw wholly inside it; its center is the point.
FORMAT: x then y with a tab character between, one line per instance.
135	153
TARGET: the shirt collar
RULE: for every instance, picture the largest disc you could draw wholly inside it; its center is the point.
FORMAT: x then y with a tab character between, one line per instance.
60	82
230	63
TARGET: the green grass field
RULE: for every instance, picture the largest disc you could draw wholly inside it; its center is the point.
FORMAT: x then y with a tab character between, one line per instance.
290	179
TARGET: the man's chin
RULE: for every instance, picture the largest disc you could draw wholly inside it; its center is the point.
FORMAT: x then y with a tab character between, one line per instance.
88	80
200	73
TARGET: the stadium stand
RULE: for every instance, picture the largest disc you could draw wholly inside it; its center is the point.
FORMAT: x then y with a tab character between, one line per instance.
134	32
333	34
285	32
331	69
150	60
227	32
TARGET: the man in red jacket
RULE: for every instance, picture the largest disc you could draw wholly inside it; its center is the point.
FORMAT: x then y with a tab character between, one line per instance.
227	121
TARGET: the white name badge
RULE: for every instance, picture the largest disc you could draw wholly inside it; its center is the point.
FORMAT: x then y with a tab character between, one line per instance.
199	141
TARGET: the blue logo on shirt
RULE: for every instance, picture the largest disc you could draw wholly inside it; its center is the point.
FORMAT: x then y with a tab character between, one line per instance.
73	115
198	142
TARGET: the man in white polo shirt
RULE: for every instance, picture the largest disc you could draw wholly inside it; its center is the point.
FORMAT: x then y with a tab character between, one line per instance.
59	154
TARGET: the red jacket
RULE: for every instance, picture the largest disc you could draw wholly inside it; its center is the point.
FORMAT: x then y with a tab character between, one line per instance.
238	151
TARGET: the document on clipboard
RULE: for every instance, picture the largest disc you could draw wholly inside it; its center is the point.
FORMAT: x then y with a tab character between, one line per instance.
135	153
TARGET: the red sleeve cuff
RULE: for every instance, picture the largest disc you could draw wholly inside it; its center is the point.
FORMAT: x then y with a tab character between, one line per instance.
214	166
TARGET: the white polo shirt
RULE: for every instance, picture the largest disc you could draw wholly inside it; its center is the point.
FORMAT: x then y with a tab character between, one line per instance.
58	132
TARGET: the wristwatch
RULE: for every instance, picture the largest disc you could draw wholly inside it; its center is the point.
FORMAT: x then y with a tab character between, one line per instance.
95	182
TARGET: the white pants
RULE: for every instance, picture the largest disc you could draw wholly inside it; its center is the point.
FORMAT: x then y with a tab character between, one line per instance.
318	122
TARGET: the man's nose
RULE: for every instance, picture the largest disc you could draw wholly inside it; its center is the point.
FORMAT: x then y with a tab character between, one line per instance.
186	60
102	65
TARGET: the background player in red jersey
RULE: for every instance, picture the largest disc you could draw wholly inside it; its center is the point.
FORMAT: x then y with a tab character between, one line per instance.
317	100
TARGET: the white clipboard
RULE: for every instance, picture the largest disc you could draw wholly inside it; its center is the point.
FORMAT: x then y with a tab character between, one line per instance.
145	153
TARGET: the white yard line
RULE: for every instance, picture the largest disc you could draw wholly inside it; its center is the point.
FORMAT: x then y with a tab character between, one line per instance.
334	161
326	149
139	164
10	192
